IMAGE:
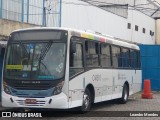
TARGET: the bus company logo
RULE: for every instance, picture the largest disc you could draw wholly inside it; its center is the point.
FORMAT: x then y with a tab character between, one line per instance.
96	77
31	82
6	114
36	82
26	82
24	75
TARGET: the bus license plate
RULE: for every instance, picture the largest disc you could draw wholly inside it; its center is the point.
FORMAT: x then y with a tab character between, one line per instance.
30	101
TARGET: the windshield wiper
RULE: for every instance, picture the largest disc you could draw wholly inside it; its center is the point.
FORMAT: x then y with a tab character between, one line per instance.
20	43
25	51
45	50
43	54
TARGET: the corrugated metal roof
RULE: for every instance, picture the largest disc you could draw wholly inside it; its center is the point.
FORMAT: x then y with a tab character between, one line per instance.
120	7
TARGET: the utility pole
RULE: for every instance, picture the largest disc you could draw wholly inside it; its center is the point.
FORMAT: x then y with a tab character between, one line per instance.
44	24
1	8
60	16
22	16
134	3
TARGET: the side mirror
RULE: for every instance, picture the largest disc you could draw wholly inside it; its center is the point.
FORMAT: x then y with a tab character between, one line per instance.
73	47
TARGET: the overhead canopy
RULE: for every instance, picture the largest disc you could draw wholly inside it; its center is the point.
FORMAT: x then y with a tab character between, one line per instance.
120	7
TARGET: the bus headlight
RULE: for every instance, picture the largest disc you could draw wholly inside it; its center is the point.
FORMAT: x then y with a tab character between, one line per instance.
7	89
57	90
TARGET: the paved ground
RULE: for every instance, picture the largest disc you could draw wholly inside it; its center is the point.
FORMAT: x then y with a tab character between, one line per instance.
111	108
135	103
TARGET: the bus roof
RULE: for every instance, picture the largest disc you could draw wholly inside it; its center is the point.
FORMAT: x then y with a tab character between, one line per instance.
89	35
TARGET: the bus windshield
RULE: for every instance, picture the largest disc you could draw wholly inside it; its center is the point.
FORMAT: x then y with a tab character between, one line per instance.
35	60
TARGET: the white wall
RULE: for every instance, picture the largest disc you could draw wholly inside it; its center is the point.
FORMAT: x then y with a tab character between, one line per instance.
81	15
158	31
143	21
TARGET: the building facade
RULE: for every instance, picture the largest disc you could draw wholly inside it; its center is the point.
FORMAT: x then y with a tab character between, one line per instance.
135	26
127	19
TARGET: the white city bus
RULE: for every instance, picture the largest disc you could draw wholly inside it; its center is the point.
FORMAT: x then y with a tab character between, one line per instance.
66	68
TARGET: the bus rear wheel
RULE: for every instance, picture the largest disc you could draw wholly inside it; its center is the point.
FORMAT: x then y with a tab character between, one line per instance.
86	104
125	94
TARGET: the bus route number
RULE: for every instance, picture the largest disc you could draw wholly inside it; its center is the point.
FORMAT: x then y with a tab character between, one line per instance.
96	77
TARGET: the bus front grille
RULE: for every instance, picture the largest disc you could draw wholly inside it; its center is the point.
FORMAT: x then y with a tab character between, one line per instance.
38	103
31	86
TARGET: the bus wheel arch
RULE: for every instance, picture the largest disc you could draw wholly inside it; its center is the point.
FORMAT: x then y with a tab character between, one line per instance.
127	84
92	91
88	98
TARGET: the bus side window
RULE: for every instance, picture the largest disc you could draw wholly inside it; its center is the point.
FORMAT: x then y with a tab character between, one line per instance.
138	60
92	59
125	58
105	55
116	57
133	59
76	60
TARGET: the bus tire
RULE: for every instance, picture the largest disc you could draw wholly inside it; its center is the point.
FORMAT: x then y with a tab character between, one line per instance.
87	100
125	94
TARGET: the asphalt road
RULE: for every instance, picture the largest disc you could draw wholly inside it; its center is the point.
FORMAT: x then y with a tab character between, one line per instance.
109	110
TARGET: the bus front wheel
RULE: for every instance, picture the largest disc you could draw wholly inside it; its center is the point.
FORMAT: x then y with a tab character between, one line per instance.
125	94
86	104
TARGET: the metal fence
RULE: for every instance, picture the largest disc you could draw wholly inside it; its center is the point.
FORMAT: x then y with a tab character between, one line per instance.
32	11
150	57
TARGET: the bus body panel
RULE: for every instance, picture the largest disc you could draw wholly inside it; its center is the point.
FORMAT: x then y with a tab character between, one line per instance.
107	86
137	81
58	102
76	90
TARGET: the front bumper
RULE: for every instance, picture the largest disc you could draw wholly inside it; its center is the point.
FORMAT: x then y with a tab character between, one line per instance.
56	102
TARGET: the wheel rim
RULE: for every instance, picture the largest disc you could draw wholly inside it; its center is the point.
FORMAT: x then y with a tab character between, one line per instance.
125	95
86	101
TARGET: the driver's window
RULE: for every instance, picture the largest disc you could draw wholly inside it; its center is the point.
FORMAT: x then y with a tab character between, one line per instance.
76	60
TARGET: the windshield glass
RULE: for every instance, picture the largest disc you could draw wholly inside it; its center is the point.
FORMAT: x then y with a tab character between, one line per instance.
36	61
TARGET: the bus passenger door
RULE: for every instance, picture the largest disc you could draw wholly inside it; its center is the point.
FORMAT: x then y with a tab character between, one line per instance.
76	73
116	64
106	72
